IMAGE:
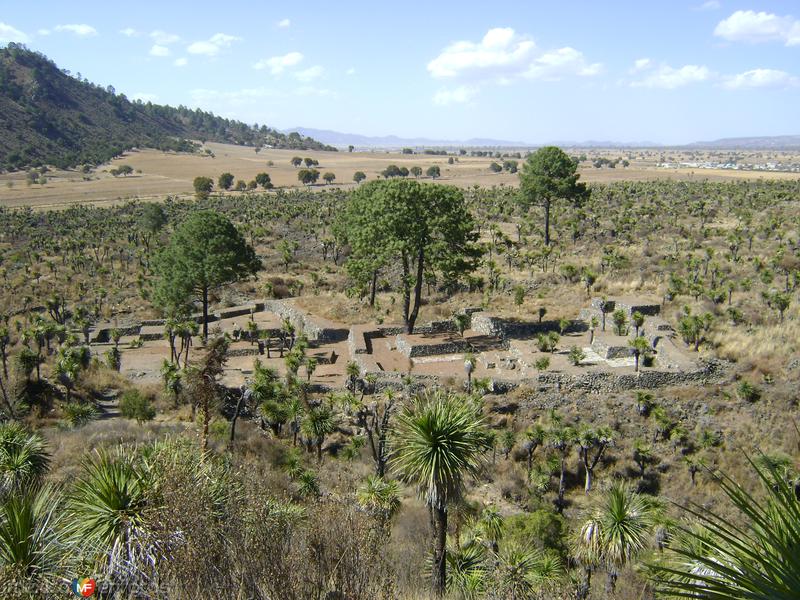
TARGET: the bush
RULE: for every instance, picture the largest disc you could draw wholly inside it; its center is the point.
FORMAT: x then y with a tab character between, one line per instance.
542	364
576	355
748	392
133	405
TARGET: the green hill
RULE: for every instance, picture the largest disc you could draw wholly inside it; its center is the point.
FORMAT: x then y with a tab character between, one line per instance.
47	116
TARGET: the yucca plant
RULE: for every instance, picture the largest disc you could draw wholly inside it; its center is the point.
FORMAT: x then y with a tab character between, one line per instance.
756	557
107	504
379	497
23	458
30	524
439	440
615	532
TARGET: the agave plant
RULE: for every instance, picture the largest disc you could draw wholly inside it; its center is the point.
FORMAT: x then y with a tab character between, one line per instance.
755	557
23	458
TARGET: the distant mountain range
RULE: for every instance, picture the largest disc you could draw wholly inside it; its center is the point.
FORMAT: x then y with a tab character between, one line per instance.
342	140
776	142
391	142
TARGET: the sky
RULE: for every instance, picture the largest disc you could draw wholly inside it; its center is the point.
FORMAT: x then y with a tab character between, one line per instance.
665	71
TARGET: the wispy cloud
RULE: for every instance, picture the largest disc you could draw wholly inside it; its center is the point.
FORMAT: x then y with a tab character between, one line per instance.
129	32
759	27
709	5
459	95
79	29
310	74
11	34
213	45
760	78
284	23
278	64
669	78
158	50
180	62
164	38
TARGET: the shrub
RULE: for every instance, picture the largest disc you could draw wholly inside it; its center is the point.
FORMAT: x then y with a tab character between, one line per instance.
748	392
576	355
542	364
133	405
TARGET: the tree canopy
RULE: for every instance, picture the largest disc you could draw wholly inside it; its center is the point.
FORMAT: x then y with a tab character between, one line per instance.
425	228
548	175
205	252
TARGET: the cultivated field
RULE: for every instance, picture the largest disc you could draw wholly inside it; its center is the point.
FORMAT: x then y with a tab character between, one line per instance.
158	174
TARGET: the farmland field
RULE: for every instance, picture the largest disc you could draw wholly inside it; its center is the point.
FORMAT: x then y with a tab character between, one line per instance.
158	174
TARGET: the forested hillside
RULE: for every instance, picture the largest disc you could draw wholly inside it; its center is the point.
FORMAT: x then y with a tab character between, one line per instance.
48	116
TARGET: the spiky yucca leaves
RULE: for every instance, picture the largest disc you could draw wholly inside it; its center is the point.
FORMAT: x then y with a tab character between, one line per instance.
379	497
438	442
23	458
30	524
108	502
616	531
756	557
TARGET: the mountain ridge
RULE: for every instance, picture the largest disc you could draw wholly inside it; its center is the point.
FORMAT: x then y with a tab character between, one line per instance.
49	117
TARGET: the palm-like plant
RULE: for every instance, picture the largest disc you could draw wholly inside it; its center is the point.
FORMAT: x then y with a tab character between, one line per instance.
522	572
318	424
616	531
755	558
23	458
379	497
108	502
29	530
438	441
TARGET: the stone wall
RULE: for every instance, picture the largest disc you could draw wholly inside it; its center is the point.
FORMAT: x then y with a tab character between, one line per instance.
456	346
488	324
305	323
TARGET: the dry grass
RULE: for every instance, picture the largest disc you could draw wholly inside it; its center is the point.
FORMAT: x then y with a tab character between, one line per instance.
165	174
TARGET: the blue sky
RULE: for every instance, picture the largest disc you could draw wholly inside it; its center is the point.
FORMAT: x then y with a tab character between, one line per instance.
662	71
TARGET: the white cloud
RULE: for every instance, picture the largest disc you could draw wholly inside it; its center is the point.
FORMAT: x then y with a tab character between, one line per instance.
44	32
669	78
278	64
10	34
129	32
760	78
709	5
459	95
500	52
757	27
213	45
284	23
158	50
180	62
145	97
641	64
79	29
163	38
555	64
309	74
503	56
350	71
